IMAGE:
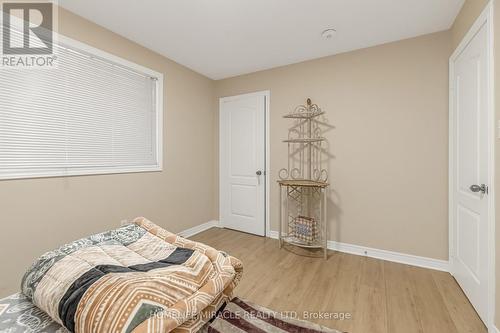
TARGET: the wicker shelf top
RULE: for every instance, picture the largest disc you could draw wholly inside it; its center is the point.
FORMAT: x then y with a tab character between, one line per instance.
304	140
302	182
303	115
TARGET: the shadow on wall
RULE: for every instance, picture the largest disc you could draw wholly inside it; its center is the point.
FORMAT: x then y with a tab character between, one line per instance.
334	202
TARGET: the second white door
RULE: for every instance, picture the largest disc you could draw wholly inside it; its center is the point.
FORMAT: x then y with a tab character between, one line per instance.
242	162
470	170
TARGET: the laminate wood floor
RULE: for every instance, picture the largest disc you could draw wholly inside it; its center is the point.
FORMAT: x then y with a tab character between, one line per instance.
380	296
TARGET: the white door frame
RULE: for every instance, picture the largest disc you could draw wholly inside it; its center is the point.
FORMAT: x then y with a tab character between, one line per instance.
267	173
485	19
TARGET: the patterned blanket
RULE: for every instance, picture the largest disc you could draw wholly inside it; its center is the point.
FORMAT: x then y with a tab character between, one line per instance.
139	278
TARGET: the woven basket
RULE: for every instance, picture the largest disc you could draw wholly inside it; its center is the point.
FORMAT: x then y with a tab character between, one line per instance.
305	229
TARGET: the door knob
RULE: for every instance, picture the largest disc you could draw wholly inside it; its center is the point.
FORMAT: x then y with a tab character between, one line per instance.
258	173
479	188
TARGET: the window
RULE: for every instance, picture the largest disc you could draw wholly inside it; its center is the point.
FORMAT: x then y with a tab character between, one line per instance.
93	113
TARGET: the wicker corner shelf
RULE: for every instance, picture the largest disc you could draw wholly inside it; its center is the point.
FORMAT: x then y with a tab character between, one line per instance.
304	183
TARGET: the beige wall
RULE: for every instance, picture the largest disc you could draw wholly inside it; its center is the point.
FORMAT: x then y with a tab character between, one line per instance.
40	214
389	145
468	14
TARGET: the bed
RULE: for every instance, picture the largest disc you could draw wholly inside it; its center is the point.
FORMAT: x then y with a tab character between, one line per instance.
138	278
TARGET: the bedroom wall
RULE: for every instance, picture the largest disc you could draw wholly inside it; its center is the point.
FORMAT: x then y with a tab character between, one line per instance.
52	211
388	108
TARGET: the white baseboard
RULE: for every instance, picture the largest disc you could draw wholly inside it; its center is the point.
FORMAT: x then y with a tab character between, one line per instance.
199	228
402	258
272	234
408	259
495	330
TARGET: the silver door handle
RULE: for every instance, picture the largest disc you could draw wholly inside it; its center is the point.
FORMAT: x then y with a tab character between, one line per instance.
479	188
258	173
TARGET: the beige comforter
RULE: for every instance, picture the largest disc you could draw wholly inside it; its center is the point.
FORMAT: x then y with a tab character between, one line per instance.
139	278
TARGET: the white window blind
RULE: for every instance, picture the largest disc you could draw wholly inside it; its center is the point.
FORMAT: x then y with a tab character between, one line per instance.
91	114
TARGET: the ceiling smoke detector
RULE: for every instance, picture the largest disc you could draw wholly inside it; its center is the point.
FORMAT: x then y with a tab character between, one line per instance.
328	33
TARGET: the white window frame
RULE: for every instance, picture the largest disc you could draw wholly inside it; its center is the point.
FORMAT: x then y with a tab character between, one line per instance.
159	77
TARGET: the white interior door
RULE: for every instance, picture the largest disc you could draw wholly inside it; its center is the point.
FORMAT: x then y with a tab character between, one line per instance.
470	170
242	162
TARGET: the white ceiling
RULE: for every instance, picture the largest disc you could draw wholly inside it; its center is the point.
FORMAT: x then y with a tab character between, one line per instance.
224	38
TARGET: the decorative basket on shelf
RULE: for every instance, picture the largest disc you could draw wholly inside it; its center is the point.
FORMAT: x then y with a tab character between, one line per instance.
305	229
